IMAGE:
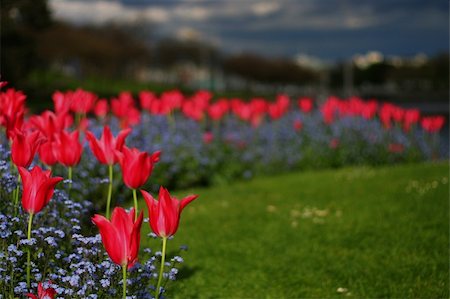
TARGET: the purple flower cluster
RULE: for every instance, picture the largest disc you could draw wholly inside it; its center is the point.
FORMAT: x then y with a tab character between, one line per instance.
235	149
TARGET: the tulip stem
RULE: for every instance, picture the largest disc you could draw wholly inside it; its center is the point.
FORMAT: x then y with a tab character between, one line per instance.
108	200
16	195
124	283
171	121
16	199
14	167
30	220
161	270
69	169
77	119
135	204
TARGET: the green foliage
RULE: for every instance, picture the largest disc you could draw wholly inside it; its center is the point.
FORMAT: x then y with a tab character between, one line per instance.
374	232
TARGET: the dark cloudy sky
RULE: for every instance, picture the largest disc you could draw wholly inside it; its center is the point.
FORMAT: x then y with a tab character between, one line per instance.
328	29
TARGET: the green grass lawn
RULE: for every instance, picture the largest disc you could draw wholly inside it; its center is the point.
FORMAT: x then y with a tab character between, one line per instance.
375	232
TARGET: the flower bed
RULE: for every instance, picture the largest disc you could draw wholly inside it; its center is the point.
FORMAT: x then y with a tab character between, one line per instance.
49	247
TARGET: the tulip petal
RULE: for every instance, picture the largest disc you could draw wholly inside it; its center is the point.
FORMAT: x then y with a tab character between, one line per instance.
120	157
123	223
135	239
156	156
111	240
185	201
152	206
95	147
107	141
121	138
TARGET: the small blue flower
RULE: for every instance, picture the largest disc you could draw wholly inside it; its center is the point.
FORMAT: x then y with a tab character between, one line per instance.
21	288
178	259
28	242
19	233
152	235
105	283
51	241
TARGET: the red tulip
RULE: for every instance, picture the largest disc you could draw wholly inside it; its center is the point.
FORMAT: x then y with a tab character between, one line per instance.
49	123
279	108
146	98
369	109
397	114
389	112
12	110
159	107
208	137
328	112
24	147
170	100
411	117
132	118
124	109
121	236
217	110
12	102
101	108
252	112
201	99
386	115
258	107
433	124
165	212
48	293
241	109
298	125
82	101
136	166
48	152
192	110
334	143
12	124
83	124
61	103
69	148
122	104
396	148
38	188
305	104
104	149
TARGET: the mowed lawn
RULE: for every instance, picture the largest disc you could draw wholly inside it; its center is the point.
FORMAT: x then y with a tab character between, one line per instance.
354	232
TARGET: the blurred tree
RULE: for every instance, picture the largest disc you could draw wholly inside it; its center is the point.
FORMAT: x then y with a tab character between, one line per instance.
279	71
105	50
169	52
440	65
21	22
377	73
431	75
407	79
